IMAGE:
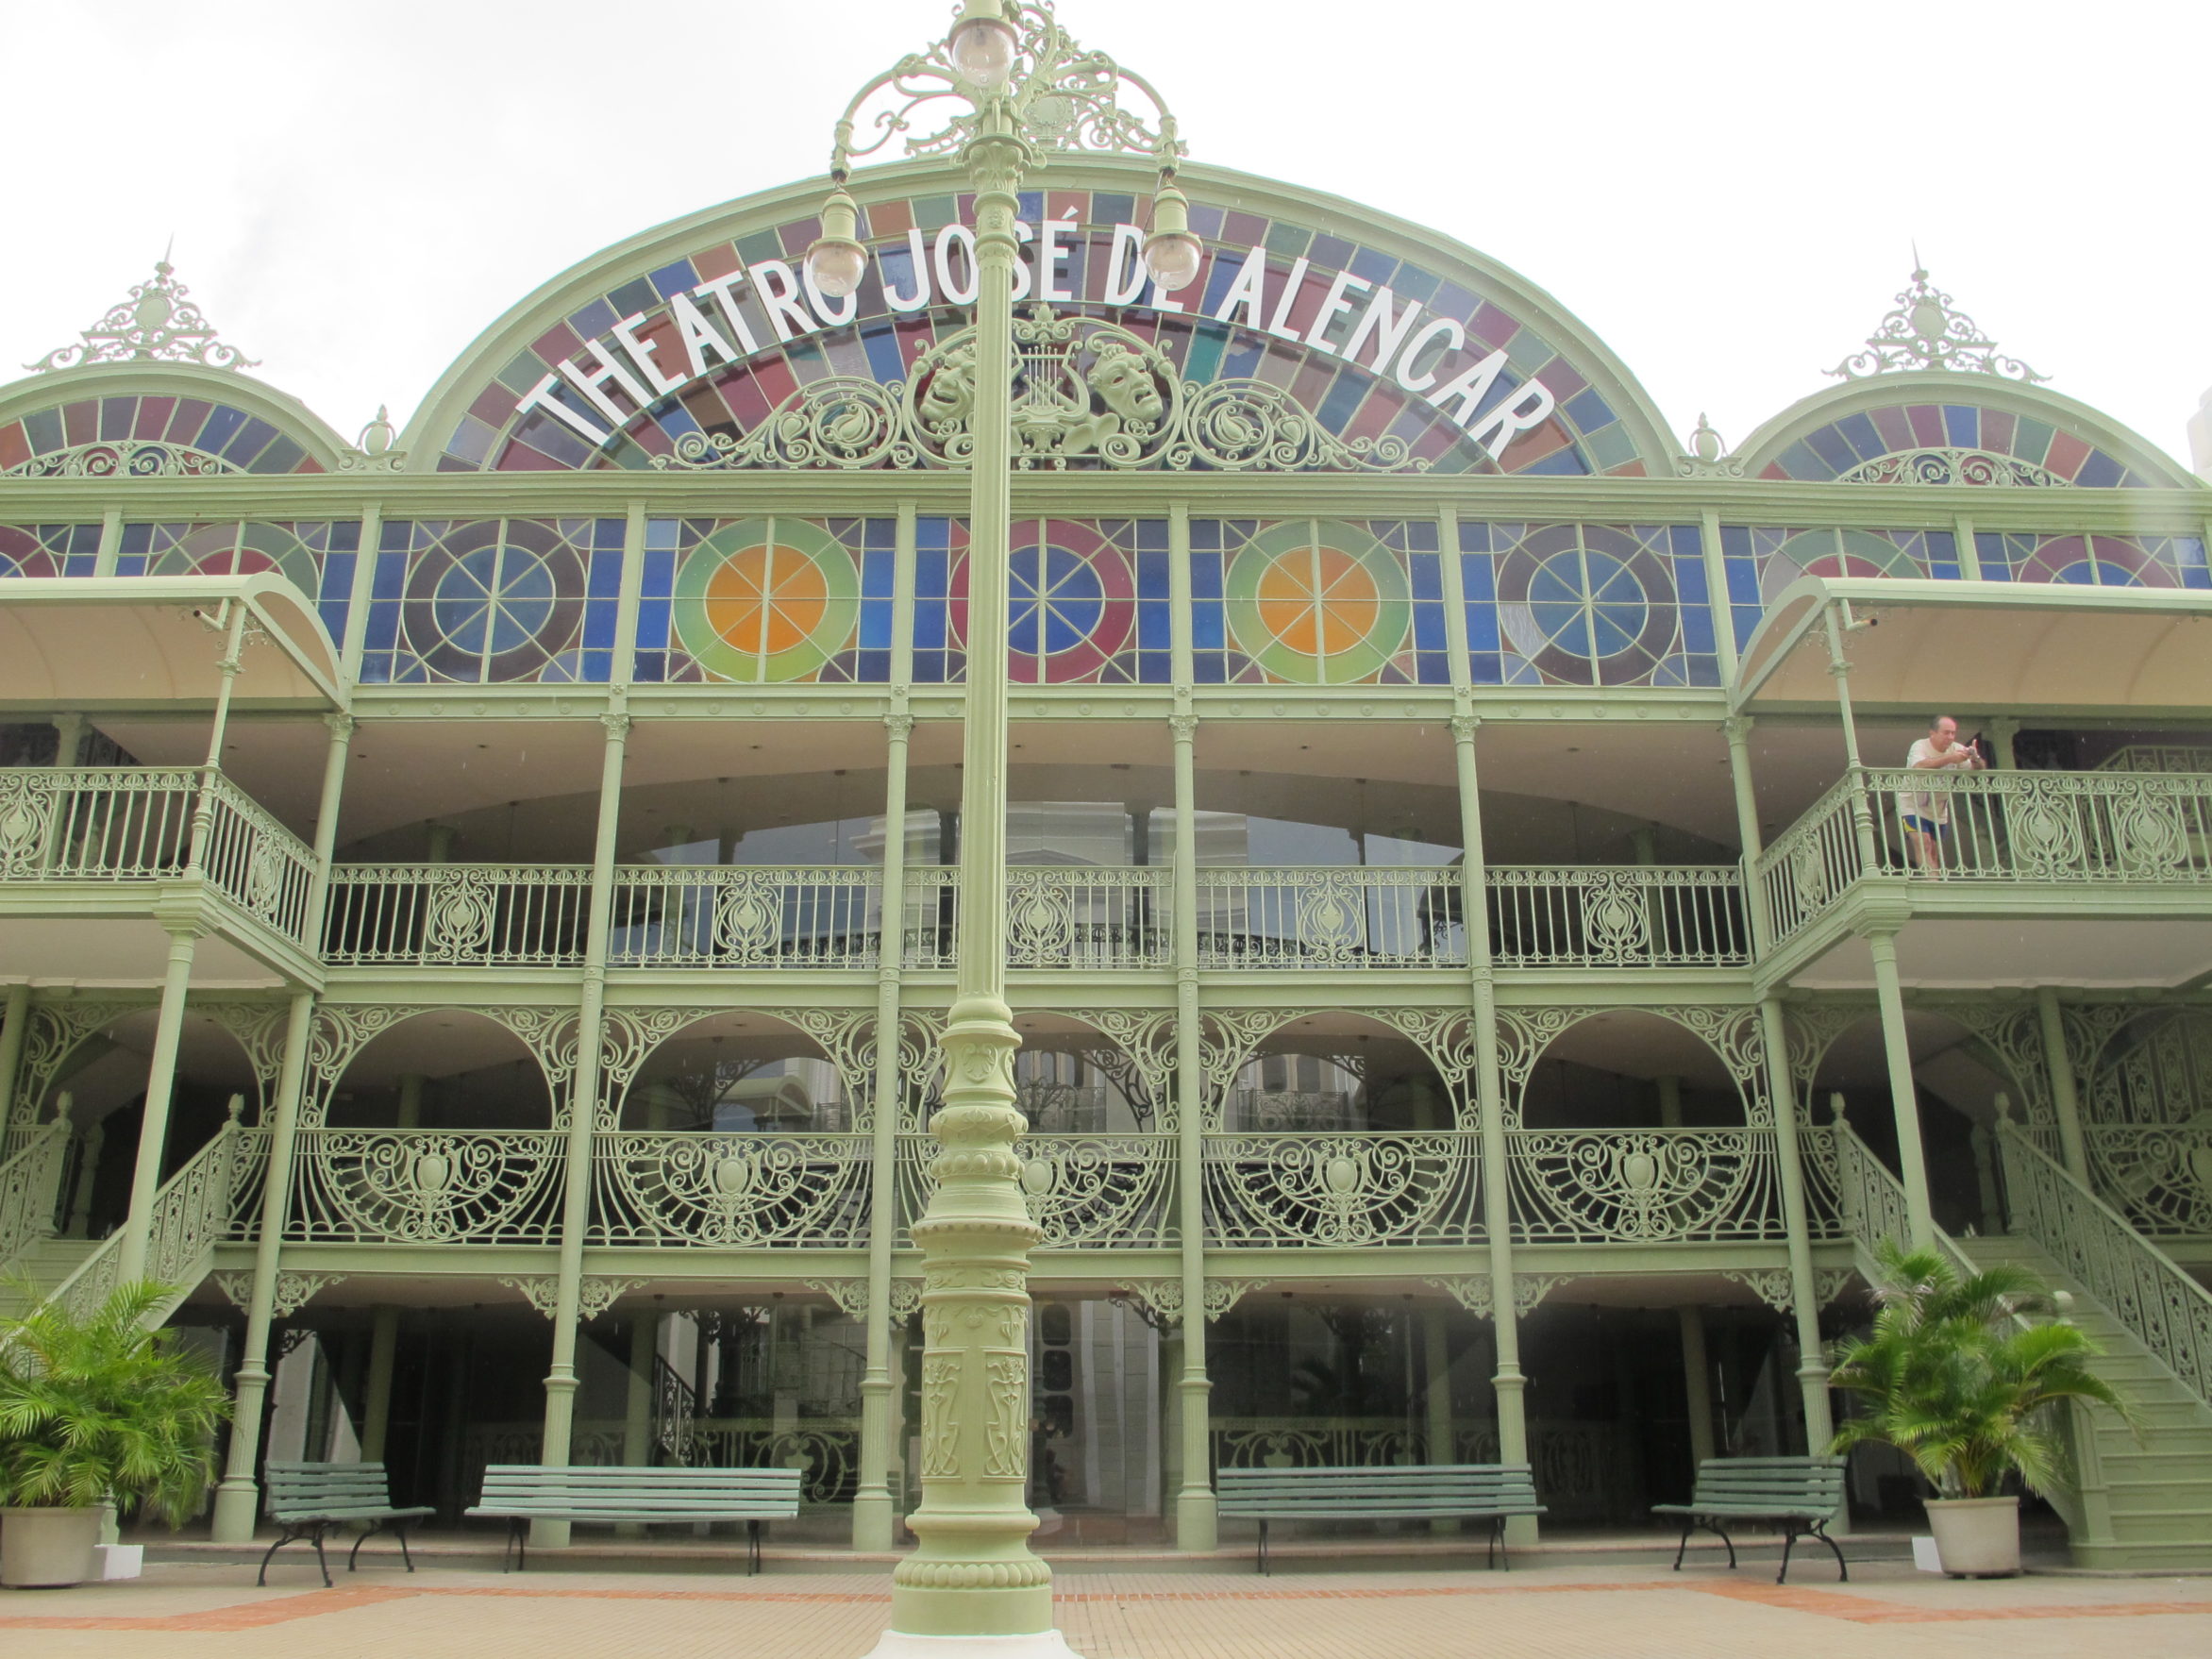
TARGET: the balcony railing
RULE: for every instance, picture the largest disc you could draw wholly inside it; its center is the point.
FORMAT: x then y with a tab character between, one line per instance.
426	1186
1629	916
732	1191
1644	1185
2159	1175
135	824
30	1185
458	915
747	915
1087	1192
2058	828
1342	1189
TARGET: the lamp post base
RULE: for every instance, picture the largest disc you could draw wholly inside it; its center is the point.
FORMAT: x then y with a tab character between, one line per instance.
1044	1644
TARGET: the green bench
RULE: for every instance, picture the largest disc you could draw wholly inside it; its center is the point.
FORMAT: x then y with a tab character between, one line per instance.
522	1492
307	1500
1475	1491
1798	1495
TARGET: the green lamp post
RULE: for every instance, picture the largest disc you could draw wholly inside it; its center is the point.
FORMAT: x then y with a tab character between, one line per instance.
972	1584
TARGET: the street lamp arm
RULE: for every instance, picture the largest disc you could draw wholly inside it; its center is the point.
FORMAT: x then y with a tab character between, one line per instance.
1060	96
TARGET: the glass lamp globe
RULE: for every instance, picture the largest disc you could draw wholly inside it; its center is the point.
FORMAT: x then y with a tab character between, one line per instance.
836	265
1172	256
982	48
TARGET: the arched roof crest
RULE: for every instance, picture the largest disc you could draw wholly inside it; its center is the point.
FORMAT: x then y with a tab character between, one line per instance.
153	419
1462	320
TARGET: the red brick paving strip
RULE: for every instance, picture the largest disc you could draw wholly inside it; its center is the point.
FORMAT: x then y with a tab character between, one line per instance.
1820	1603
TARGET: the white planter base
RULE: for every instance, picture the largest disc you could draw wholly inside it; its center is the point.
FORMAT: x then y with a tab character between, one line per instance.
1047	1644
47	1549
1977	1537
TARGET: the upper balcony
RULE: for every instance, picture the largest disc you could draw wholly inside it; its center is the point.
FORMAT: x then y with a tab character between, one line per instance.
1334	918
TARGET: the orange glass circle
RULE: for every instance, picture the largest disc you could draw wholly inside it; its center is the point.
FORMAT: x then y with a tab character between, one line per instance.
1318	601
766	600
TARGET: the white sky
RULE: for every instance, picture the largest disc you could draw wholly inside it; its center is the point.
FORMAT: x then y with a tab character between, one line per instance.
1727	193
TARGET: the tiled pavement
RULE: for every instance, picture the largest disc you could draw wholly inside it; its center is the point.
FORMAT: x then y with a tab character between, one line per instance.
187	1610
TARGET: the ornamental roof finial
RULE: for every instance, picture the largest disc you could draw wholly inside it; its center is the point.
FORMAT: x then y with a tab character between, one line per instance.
158	322
1924	332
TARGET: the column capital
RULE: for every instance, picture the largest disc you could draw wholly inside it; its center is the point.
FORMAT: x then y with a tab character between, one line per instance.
899	723
1464	725
339	725
616	721
1738	727
1183	724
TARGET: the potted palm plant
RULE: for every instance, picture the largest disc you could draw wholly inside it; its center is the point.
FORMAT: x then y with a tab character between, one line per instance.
96	1411
1954	1378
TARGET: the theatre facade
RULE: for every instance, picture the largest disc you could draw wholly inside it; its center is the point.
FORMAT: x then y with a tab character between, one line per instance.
477	903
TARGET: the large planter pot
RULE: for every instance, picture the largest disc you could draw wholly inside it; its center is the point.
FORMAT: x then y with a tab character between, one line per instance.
47	1549
1977	1537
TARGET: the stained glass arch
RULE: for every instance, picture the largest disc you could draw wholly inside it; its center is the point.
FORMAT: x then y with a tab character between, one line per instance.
1346	338
1954	428
158	419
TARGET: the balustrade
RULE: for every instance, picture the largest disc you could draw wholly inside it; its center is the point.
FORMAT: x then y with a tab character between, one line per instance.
1630	916
2159	1175
459	916
2139	1284
747	915
1086	1191
134	824
1331	915
426	1186
2059	828
31	1188
1644	1185
194	1210
732	1191
1342	1189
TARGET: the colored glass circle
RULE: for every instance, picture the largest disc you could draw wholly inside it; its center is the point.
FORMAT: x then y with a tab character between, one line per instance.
488	600
1318	603
1071	602
766	600
1587	605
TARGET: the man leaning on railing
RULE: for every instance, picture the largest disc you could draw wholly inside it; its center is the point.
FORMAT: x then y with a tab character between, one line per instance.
1925	813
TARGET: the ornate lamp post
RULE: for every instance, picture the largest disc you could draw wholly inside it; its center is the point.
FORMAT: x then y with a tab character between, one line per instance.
1029	89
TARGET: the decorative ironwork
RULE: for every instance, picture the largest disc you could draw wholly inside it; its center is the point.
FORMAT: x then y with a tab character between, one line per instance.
290	1293
1924	332
1610	1185
2159	1175
1630	916
1342	1190
191	1214
1087	392
125	459
475	916
906	1299
157	324
1063	98
426	1186
851	1295
1087	1192
733	1191
1086	918
594	1295
2159	1302
1952	466
30	1184
1771	1285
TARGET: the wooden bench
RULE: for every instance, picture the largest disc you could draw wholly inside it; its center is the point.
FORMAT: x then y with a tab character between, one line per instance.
522	1492
1796	1494
307	1500
1479	1491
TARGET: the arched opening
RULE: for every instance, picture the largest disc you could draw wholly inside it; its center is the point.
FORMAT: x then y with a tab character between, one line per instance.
739	1072
2146	1126
99	1087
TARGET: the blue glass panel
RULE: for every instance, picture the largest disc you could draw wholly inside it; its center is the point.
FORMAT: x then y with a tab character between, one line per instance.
1962	425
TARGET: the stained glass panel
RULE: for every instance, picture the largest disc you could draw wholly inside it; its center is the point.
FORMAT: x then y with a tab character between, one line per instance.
2111	562
317	558
1568	604
767	600
486	600
1949	443
48	549
146	436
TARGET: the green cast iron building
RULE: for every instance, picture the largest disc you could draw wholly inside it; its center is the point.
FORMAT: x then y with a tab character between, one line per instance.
483	896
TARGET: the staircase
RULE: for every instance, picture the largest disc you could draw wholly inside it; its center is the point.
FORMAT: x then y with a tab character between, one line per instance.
2154	1509
39	1269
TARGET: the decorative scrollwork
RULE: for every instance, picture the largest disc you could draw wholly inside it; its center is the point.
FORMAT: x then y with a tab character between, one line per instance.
2159	1176
1090	1192
125	459
1771	1285
594	1295
1924	332
1341	1190
753	1191
1087	393
1952	466
157	324
851	1295
1063	98
1644	1185
290	1293
427	1186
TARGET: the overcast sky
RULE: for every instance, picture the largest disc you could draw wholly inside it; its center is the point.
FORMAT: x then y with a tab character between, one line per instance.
1727	193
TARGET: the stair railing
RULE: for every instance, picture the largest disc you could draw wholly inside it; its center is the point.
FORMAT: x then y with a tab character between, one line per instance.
30	1189
192	1214
1871	1200
2140	1286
